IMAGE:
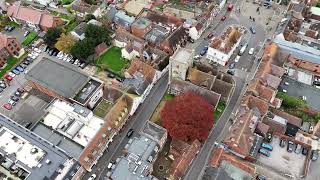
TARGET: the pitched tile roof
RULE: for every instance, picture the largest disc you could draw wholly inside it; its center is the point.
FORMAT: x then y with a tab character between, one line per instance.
31	15
146	70
290	119
218	155
183	155
259	90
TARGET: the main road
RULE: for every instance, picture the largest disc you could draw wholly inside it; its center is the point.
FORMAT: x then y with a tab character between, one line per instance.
136	122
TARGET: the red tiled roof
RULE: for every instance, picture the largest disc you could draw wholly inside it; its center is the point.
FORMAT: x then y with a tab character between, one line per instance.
315	68
219	155
183	155
258	89
145	69
262	128
31	15
241	137
253	102
290	119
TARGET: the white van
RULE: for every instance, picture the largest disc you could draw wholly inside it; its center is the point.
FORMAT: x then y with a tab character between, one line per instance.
243	49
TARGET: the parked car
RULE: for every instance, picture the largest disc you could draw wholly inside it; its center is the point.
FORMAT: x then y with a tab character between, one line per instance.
237	59
298	149
264	152
130	132
11	74
16	72
26	33
13	103
210	35
1	90
19	68
92	177
8	77
252	29
243	49
268	137
304	151
26	62
267	146
231	72
20	90
3	85
291	146
204	51
7	106
314	155
17	93
15	98
251	51
260	177
223	18
23	66
232	65
282	143
82	65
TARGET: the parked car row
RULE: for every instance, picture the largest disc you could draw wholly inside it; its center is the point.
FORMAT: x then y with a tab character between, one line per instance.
14	98
62	56
9	28
298	148
265	149
20	68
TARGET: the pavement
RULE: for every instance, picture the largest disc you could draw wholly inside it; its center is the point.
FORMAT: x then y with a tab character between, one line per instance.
136	122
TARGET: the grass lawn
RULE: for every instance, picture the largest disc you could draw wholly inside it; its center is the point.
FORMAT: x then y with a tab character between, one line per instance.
168	97
71	25
102	109
66	2
112	60
31	36
220	108
12	61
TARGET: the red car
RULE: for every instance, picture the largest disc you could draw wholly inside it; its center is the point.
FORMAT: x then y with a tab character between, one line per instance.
9	78
210	35
7	106
223	18
230	7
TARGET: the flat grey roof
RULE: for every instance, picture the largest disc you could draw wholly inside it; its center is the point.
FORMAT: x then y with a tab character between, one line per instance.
136	165
57	157
72	148
58	76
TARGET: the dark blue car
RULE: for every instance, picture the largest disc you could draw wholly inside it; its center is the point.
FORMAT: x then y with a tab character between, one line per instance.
204	51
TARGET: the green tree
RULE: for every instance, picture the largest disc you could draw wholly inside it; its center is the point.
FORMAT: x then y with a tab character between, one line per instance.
88	17
97	33
83	49
291	101
52	36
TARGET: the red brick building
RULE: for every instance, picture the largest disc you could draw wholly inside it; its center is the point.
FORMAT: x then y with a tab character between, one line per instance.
9	46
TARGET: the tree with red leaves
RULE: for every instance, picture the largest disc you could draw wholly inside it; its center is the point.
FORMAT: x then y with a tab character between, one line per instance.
187	117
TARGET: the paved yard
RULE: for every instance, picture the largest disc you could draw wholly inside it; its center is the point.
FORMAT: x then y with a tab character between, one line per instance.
282	161
17	33
112	60
314	173
299	89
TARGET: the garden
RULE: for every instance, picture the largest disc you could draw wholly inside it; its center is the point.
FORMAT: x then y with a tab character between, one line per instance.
102	108
112	61
12	61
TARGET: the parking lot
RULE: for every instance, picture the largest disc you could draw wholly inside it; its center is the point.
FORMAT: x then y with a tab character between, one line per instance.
17	33
282	161
295	88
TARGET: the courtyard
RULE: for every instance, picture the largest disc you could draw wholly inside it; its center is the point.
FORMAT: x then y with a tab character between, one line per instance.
283	162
